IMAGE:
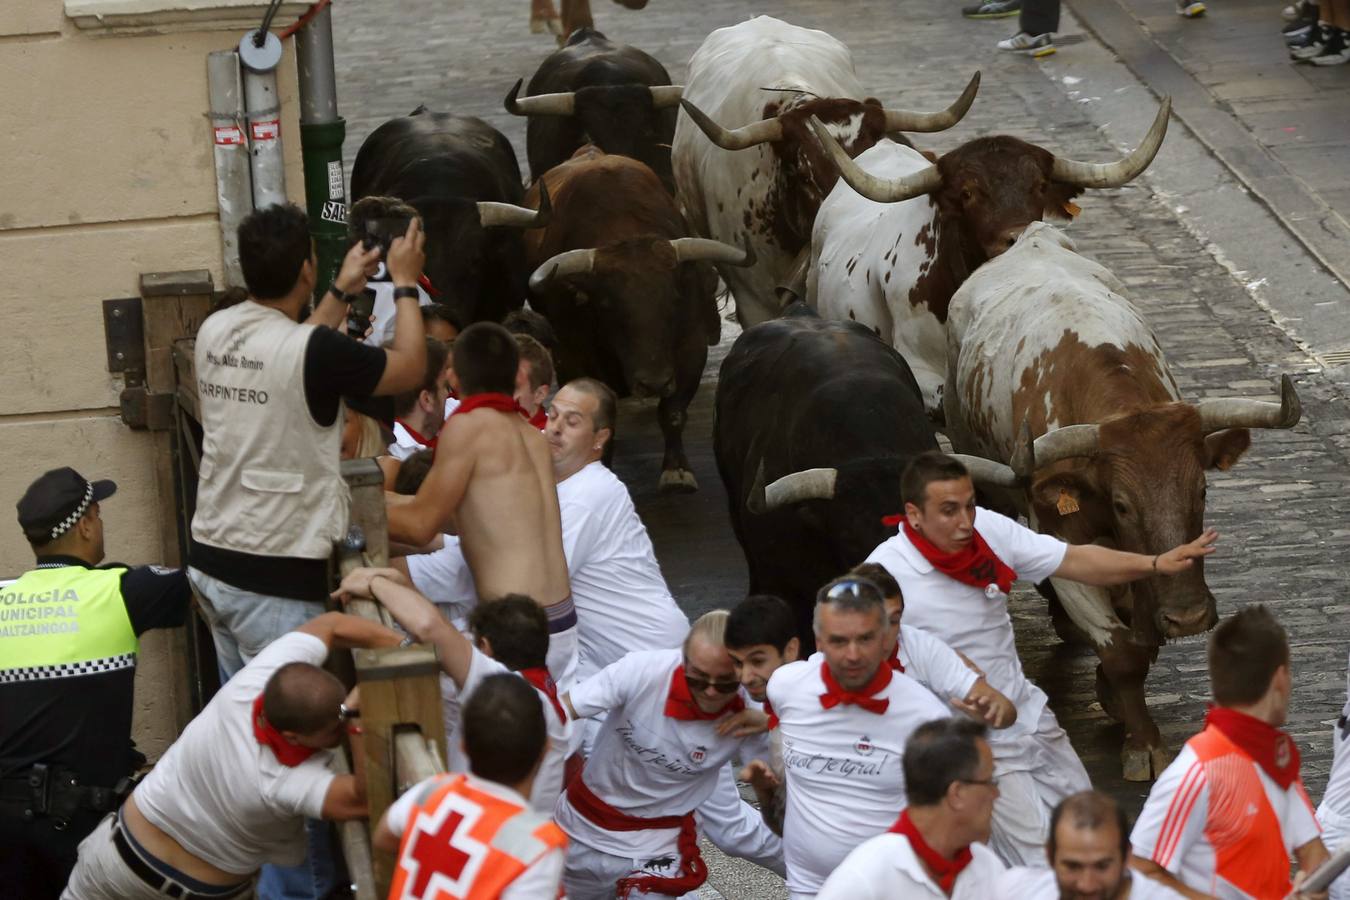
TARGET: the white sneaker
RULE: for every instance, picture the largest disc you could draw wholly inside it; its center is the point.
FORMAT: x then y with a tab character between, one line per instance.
1190	8
1038	46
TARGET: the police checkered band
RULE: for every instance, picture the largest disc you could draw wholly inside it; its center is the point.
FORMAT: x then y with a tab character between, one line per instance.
65	524
68	670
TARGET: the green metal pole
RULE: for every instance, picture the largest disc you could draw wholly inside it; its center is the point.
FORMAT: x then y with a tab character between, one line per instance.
325	195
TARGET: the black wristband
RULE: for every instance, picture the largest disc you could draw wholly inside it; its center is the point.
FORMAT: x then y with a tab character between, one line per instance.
342	295
402	292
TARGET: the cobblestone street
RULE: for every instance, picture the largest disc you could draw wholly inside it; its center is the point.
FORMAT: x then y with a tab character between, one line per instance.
1281	511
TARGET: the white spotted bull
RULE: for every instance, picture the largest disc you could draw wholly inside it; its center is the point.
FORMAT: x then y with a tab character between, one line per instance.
1043	344
751	89
893	244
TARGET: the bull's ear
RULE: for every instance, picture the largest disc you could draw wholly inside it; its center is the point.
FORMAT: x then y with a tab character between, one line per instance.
1224	448
1059	201
1065	492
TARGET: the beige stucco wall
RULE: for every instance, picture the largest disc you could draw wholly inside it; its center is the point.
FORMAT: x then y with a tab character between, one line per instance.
109	174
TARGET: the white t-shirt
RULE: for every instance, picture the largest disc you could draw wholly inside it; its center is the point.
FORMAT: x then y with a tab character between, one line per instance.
444	578
404	445
451	404
1335	803
539	881
386	308
971	620
885	868
223	796
1027	883
843	766
622	600
549	781
644	763
1173	828
931	663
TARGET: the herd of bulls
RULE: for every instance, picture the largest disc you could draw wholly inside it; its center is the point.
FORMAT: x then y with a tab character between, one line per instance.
887	294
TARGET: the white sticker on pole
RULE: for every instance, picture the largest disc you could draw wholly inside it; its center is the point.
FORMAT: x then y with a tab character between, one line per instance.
228	135
267	130
335	189
334	211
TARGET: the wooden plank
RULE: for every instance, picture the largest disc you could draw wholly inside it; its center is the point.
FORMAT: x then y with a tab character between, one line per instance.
169	318
356	848
416	758
185	375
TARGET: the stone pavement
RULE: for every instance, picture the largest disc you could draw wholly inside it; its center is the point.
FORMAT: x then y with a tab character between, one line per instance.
1281	510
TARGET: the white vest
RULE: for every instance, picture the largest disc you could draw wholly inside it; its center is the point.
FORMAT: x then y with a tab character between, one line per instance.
270	481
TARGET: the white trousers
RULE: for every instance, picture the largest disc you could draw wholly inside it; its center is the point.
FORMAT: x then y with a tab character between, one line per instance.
589	874
737	828
1335	834
1034	773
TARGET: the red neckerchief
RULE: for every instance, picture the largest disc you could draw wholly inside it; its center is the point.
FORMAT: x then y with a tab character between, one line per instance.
865	698
773	716
680	703
1269	747
287	754
539	419
944	870
894	662
425	284
539	677
500	402
429	443
977	565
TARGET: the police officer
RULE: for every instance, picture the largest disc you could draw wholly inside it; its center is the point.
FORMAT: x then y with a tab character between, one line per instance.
68	643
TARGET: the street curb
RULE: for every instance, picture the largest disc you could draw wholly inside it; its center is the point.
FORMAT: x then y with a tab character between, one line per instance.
1307	218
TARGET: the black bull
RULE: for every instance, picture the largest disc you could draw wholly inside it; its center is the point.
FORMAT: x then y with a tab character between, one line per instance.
443	165
801	393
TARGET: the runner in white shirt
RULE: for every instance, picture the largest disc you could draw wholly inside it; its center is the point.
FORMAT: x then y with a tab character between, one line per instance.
936	848
234	790
1224	818
1089	854
843	724
417	413
1334	810
955	565
667	735
474	835
511	635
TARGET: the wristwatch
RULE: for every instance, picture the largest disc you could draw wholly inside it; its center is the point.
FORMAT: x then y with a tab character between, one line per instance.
342	295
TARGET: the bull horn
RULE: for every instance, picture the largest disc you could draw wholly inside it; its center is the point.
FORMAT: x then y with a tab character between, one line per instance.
1065	443
492	214
543	105
1237	412
689	249
880	190
761	132
986	471
665	95
1109	175
569	262
906	120
809	484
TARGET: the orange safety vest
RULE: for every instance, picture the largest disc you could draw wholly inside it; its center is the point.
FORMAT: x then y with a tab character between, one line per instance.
463	843
1242	827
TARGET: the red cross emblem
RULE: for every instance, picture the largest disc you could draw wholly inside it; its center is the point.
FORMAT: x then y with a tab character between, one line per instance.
442	858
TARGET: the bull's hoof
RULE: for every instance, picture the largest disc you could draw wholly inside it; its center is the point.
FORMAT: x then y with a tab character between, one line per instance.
1144	763
678	481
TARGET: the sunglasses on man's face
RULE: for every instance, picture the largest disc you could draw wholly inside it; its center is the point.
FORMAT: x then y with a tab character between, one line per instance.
698	684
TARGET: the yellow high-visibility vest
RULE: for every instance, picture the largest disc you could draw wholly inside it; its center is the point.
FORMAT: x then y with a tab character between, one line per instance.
64	621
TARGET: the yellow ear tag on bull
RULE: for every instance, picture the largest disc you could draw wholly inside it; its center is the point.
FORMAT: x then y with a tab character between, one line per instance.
1073	210
1067	504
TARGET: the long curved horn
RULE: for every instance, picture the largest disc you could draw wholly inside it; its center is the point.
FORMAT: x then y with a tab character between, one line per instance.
1109	175
809	484
689	249
1065	443
492	214
761	132
665	95
907	120
1237	412
986	471
569	262
881	190
543	105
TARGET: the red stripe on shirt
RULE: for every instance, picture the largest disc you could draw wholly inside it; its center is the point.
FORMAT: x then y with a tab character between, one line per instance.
1178	812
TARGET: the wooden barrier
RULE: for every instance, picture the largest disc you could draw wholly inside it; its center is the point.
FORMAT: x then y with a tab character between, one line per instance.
401	712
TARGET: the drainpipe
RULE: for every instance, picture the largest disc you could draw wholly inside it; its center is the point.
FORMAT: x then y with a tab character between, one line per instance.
234	188
264	117
322	132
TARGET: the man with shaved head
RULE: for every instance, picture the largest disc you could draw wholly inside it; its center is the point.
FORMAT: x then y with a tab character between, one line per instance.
235	789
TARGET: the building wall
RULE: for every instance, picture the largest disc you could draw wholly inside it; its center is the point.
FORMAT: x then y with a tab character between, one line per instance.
109	174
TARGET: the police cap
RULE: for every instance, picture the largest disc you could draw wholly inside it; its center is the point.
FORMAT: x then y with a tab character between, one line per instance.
56	501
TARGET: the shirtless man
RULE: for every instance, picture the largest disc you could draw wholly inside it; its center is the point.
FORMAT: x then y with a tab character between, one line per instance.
492	484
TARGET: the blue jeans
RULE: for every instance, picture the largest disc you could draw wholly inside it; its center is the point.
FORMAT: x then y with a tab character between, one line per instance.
242	625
